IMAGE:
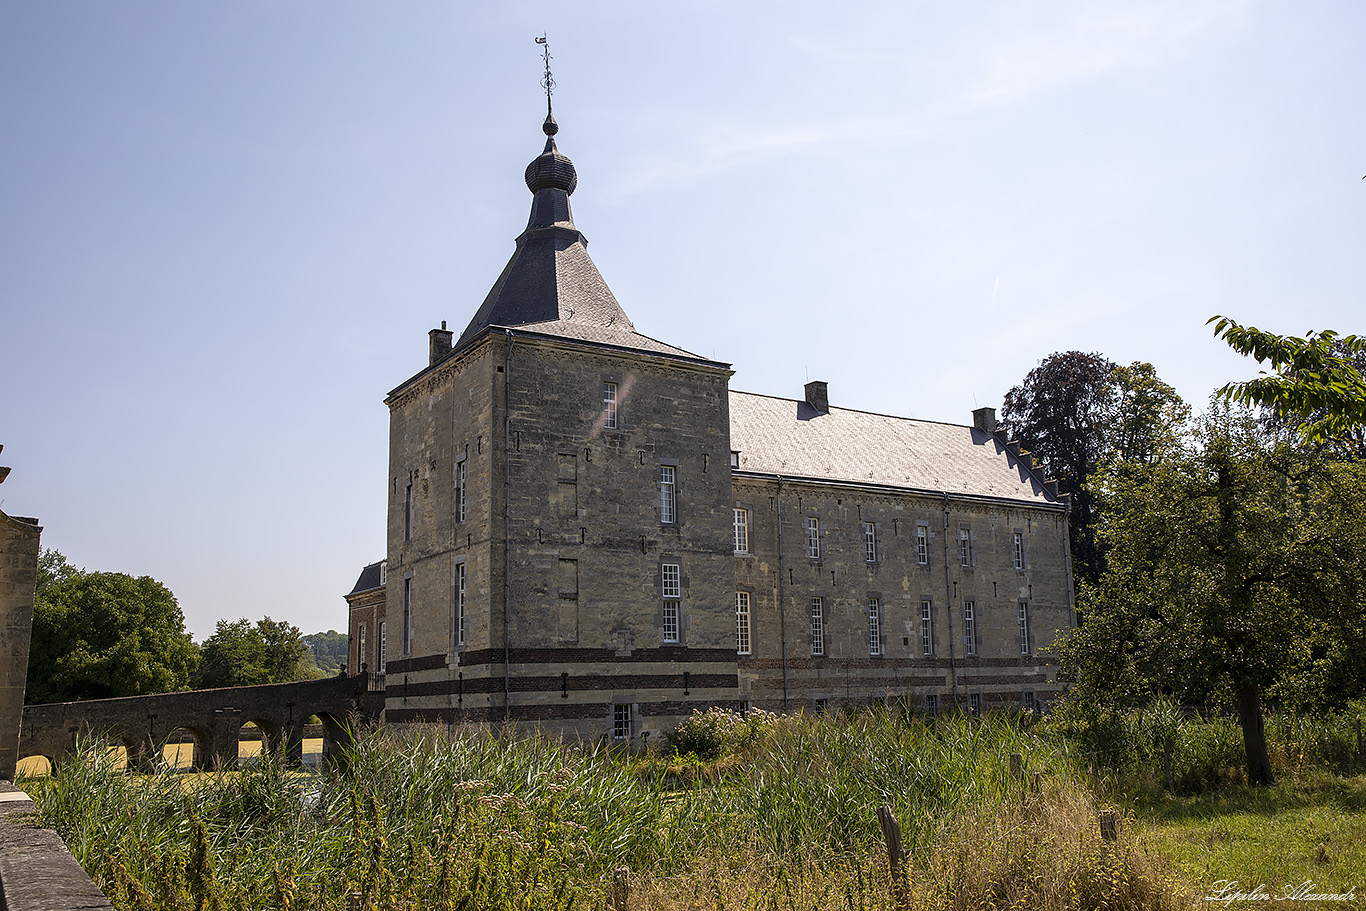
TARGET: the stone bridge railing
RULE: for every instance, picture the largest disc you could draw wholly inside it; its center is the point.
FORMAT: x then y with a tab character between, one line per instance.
143	724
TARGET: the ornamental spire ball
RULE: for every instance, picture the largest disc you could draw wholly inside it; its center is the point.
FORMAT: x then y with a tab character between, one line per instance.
550	170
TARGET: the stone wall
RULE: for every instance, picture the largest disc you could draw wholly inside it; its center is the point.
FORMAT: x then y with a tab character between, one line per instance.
18	577
900	578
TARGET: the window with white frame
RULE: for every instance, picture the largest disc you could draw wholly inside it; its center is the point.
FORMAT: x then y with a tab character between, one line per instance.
407	617
874	627
975	703
383	659
458	620
817	627
922	545
383	571
668	477
813	538
408	512
741	531
670	621
964	547
1029	703
609	406
1017	550
1024	627
670	581
621	721
742	642
970	628
932	704
927	627
362	659
870	542
460	495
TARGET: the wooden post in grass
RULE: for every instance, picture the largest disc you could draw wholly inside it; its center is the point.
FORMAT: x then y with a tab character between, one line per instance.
1167	761
1038	782
621	888
1016	766
1360	751
1109	825
896	854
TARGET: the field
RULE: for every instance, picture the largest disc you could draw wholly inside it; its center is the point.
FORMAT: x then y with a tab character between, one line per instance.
766	813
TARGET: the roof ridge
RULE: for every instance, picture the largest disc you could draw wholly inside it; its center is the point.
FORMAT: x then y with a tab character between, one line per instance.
876	414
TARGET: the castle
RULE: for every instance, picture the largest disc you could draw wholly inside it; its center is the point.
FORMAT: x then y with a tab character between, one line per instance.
589	530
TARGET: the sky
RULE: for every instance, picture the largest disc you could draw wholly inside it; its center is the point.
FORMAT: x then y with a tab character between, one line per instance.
225	229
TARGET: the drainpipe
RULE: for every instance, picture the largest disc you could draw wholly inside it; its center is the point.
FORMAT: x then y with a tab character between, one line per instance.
782	609
948	608
507	538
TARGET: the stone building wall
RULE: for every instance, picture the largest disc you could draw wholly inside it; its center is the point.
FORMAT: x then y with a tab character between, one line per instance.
849	584
18	577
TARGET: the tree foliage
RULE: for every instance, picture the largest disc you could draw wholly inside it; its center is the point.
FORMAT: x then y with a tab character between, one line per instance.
97	635
328	650
1234	572
1317	379
1076	412
240	653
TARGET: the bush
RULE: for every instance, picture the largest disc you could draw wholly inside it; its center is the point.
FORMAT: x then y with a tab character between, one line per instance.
716	731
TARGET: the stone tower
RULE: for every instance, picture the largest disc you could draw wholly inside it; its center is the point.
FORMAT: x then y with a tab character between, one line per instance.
560	532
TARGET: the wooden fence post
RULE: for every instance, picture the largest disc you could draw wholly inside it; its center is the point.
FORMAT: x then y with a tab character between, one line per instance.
896	854
1167	762
1016	766
1109	825
1360	751
621	888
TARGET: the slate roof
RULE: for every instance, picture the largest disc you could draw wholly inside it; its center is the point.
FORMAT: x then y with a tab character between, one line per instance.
786	437
550	285
369	578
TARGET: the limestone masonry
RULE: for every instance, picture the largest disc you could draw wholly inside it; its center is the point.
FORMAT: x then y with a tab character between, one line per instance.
587	529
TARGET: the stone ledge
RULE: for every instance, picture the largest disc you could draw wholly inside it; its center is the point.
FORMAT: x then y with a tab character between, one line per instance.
37	872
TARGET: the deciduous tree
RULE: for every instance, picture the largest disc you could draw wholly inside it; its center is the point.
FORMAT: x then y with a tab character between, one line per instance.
240	653
97	635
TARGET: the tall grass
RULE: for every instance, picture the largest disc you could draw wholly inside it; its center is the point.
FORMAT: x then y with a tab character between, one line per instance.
510	819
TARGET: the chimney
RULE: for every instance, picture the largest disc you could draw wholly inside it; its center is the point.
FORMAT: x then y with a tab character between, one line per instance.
984	419
440	343
817	397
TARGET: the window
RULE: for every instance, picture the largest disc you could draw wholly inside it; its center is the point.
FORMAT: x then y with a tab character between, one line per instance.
817	627
735	458
932	704
670	581
458	626
975	703
621	721
742	531
670	621
408	512
460	491
874	627
742	646
383	571
609	406
1017	550
407	616
922	545
383	659
361	663
926	628
870	542
813	537
1024	627
667	480
1029	703
969	628
822	704
964	547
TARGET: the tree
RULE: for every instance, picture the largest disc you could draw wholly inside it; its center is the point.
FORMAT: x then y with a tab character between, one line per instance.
329	650
97	635
1235	571
1317	378
242	654
1148	419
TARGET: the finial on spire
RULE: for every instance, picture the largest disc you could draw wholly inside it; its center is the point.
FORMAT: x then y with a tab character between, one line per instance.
547	81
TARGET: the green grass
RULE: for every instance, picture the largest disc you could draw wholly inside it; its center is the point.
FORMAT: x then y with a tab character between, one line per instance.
779	814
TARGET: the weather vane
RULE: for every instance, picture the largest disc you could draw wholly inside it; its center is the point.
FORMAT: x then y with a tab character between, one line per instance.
547	81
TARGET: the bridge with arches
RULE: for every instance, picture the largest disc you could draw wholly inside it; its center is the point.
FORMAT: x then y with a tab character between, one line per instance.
142	725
